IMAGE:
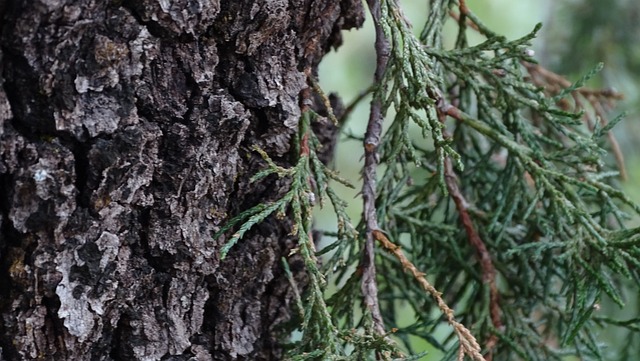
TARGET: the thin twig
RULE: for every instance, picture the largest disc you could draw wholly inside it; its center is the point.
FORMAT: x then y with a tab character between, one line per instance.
371	142
349	109
468	22
468	344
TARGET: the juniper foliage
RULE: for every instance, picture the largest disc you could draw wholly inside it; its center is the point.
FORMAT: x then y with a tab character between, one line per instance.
500	223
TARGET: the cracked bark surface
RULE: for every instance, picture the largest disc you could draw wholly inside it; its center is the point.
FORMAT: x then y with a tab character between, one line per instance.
126	129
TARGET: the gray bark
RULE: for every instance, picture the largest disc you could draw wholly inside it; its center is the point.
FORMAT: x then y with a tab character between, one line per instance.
126	129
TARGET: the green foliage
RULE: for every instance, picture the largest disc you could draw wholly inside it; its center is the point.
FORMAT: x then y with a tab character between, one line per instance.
525	242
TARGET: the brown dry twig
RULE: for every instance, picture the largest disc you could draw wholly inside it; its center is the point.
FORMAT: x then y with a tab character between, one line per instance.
468	344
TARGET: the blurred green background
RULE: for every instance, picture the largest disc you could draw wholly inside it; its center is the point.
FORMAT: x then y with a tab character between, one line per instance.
576	35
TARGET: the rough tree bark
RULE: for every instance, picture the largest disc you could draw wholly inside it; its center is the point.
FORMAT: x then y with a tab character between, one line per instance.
126	131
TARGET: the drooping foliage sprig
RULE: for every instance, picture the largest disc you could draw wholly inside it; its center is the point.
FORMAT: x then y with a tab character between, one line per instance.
496	212
309	178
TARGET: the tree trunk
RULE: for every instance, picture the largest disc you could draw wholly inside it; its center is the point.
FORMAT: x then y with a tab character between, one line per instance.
127	129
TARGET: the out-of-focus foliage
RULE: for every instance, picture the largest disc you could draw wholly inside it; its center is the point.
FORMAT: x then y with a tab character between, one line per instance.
577	34
579	31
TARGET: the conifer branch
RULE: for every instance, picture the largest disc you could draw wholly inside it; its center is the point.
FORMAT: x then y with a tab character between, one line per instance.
556	85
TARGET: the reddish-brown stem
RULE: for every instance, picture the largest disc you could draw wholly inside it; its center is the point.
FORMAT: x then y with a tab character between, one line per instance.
482	253
464	10
468	22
